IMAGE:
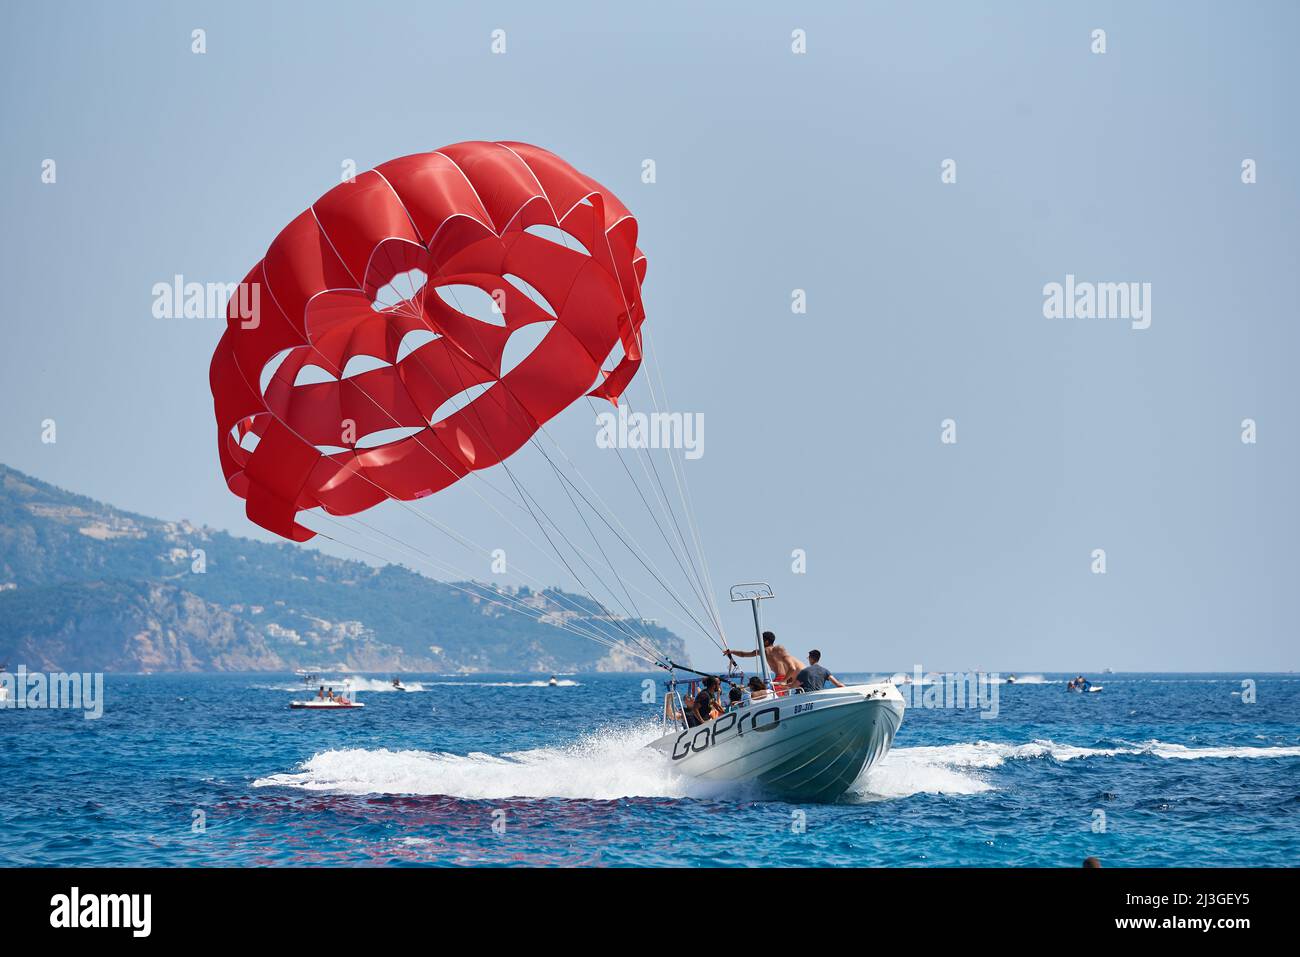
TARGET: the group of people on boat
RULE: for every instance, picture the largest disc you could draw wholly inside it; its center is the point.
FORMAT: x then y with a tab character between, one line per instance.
789	675
788	672
1078	684
327	694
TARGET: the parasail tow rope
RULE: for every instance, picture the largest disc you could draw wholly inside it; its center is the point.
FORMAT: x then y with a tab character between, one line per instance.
421	515
494	597
625	637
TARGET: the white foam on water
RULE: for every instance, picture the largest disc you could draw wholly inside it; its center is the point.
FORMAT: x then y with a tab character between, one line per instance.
352	682
954	768
1181	752
614	763
901	679
358	683
907	771
561	683
608	764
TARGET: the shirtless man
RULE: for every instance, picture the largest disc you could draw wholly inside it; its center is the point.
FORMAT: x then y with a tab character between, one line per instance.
784	666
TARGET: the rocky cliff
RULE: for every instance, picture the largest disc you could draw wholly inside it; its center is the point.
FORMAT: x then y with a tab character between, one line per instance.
84	586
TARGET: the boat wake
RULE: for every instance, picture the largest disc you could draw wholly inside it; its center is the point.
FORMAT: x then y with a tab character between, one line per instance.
606	765
956	768
561	683
351	682
357	683
614	763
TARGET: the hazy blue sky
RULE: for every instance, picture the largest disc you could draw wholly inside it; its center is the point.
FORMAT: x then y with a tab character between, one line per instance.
775	172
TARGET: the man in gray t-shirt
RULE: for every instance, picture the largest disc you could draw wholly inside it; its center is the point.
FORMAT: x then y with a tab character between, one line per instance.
814	677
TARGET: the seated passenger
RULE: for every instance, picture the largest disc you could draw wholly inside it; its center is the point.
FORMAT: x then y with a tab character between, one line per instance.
735	698
689	713
814	677
712	695
757	691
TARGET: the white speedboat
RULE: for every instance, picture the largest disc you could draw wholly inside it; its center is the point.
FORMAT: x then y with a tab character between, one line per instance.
797	746
345	700
804	747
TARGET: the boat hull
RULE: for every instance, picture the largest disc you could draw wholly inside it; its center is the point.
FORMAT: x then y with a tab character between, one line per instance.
803	747
323	706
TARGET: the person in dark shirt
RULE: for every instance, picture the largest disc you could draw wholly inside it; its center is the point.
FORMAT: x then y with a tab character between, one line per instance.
814	677
706	702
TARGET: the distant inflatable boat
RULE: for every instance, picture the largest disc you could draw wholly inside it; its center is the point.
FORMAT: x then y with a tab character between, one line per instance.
325	705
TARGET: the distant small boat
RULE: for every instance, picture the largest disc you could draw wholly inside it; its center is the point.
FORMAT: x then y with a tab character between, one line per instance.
345	700
325	705
553	683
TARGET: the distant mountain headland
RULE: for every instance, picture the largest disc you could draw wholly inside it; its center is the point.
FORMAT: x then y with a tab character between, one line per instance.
87	587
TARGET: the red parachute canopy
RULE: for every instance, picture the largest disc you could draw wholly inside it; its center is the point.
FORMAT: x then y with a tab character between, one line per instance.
459	215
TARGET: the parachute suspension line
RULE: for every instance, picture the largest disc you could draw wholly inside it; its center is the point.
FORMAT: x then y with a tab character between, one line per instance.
667	541
446	568
560	598
421	515
709	605
478	475
518	487
647	565
662	499
627	613
536	506
625	537
684	490
539	508
599	604
488	594
226	397
702	572
637	611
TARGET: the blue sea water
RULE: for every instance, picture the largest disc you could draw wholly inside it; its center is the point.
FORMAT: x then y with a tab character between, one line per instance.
217	770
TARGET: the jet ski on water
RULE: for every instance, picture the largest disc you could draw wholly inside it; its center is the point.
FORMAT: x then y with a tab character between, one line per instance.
794	745
1082	685
553	683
